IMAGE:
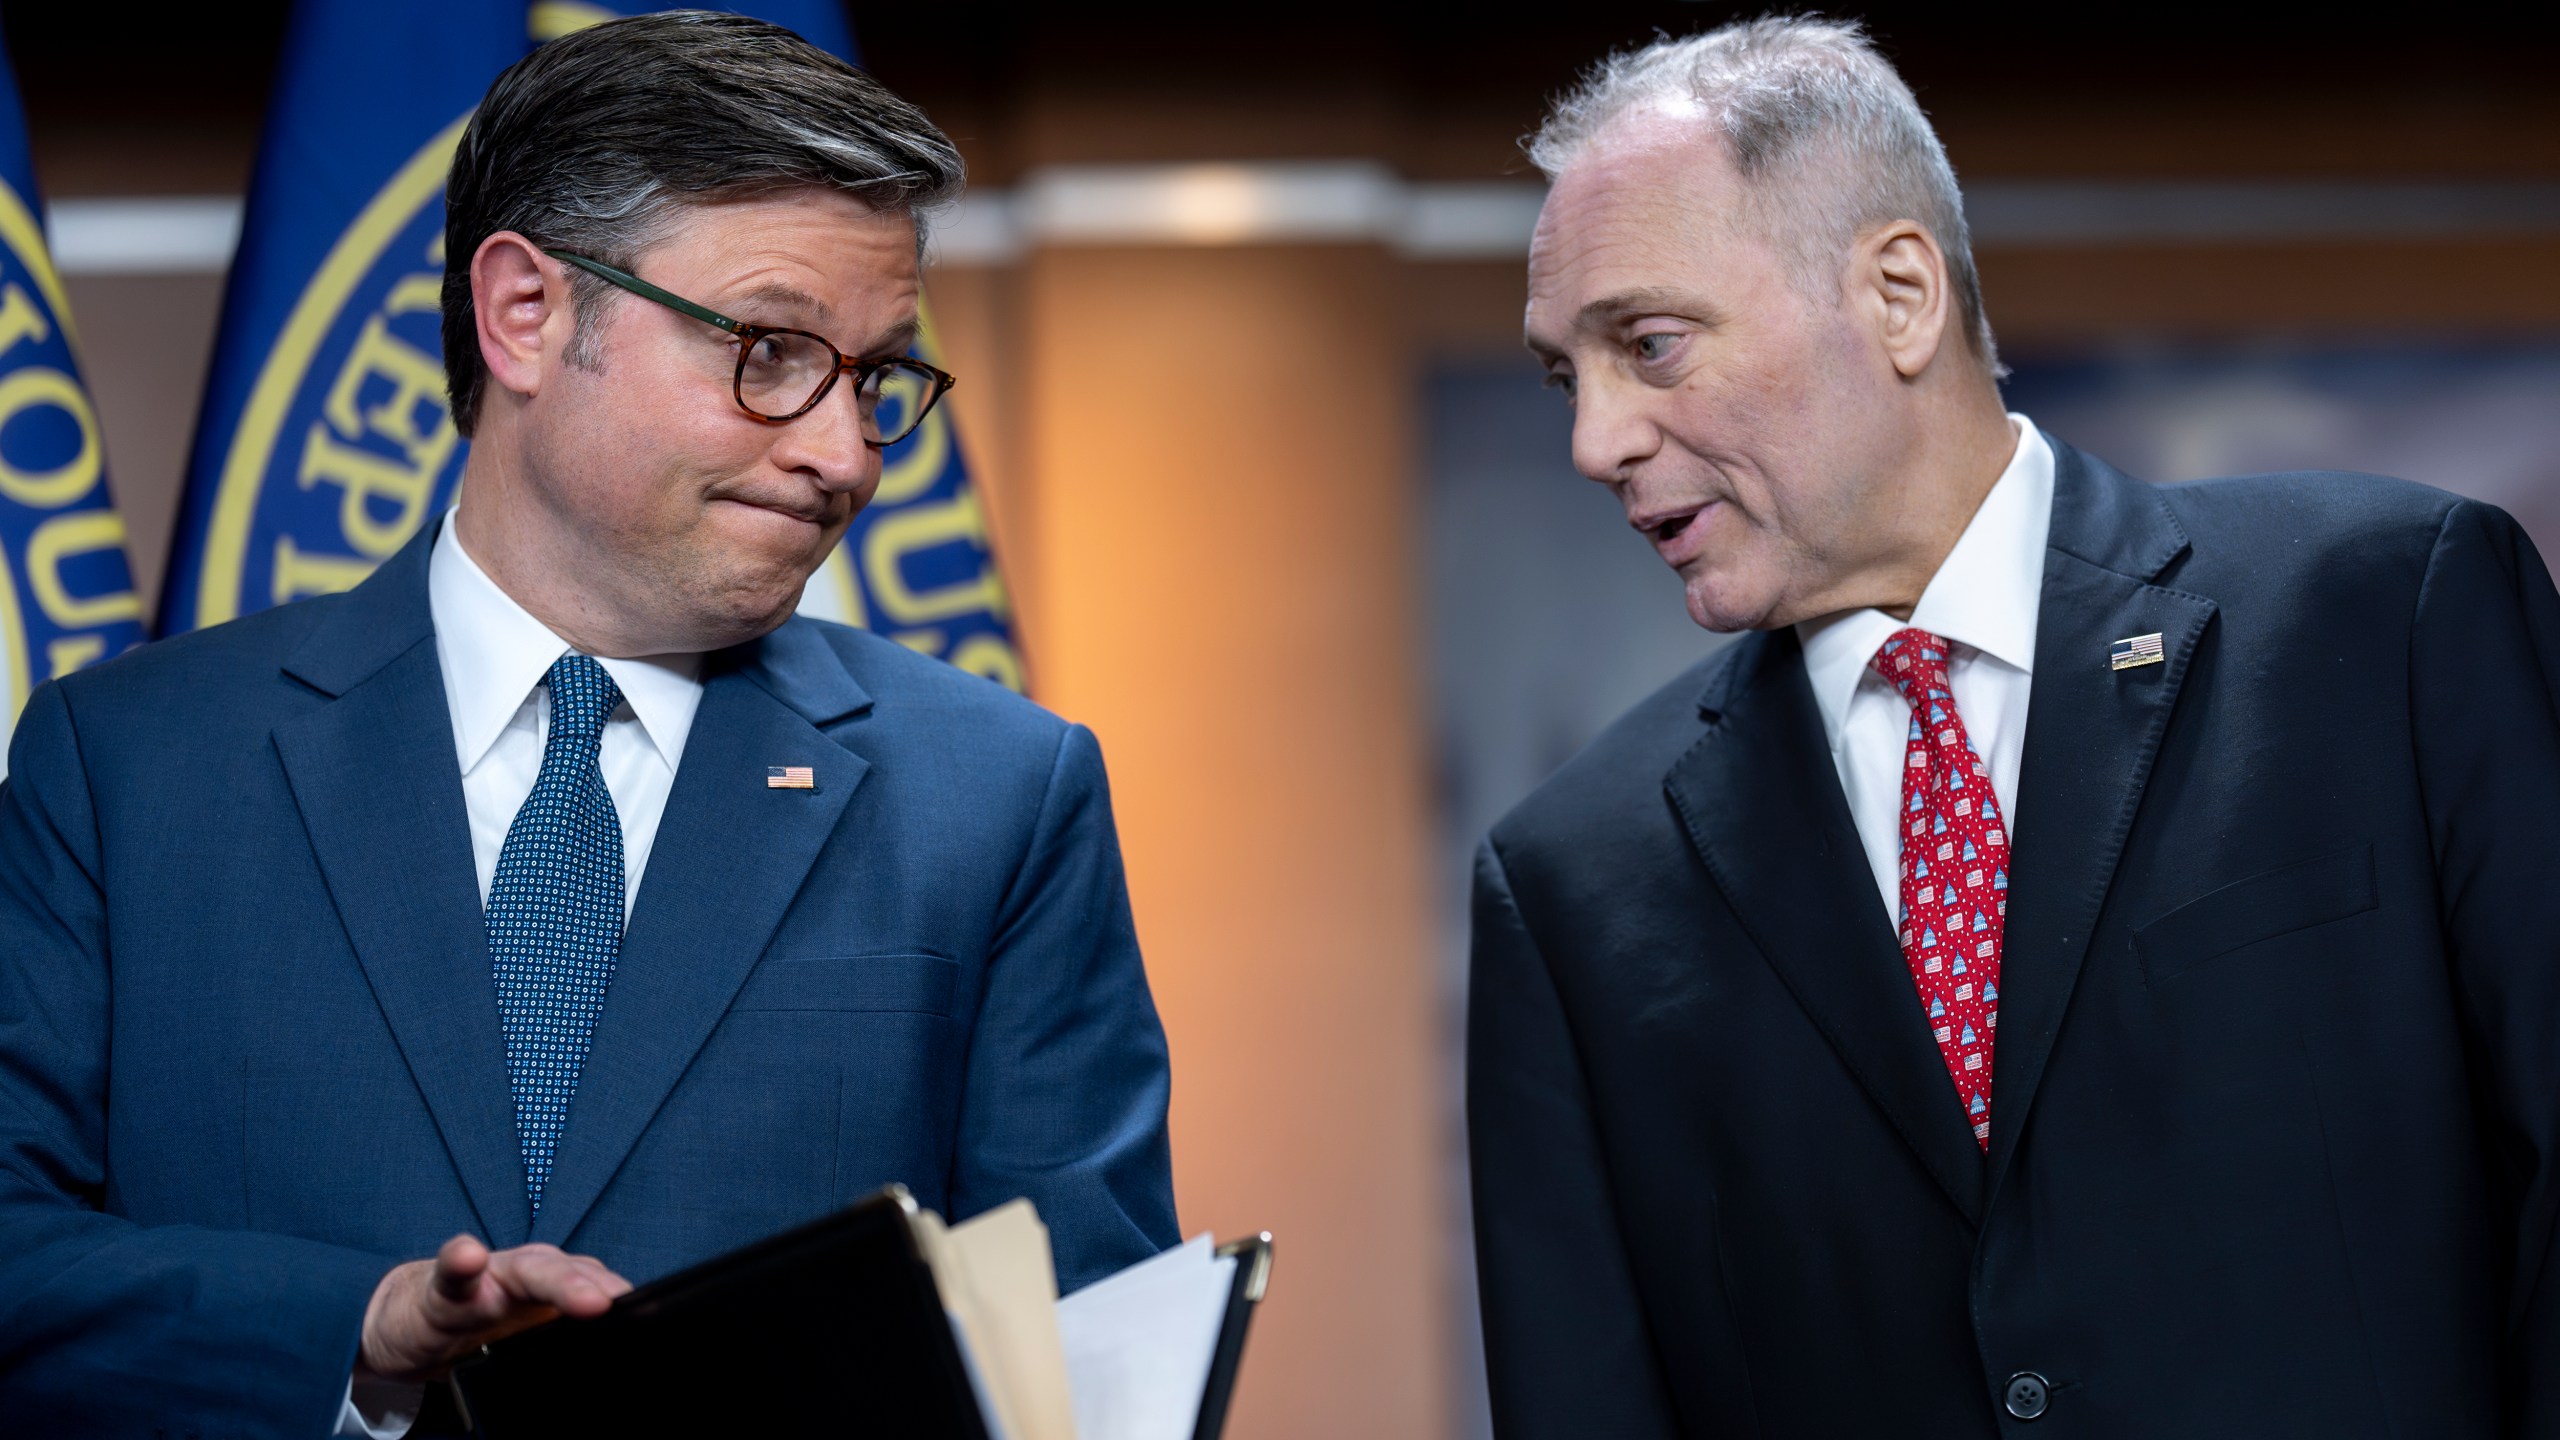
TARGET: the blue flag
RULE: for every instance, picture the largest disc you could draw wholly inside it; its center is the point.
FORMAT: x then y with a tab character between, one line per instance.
326	442
66	591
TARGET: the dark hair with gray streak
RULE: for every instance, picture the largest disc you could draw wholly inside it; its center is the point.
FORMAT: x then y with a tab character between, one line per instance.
597	141
1826	136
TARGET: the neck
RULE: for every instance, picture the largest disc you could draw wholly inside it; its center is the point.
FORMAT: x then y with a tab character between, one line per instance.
1951	467
525	551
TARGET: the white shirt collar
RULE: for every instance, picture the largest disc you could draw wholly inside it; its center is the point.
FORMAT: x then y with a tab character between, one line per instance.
493	652
1984	595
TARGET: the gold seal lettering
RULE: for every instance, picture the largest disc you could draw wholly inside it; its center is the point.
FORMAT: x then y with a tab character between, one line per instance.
922	527
77	532
19	318
55	488
298	574
367	476
417	385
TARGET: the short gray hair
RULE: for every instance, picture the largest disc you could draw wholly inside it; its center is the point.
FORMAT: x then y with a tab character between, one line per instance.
597	141
1820	128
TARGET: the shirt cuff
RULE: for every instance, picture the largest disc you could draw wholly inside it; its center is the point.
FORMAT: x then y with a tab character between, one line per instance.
379	1409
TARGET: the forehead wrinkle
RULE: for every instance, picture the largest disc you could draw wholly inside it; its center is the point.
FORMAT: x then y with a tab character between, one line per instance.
1644	225
1625	213
783	295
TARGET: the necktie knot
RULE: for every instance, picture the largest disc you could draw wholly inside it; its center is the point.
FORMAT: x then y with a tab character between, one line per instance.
1915	663
582	695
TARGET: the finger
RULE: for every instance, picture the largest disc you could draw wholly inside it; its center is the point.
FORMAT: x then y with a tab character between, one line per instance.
459	1265
542	1275
587	1288
614	1284
527	1272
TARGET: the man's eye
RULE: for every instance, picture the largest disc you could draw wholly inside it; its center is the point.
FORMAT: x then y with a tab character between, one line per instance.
1560	380
1656	346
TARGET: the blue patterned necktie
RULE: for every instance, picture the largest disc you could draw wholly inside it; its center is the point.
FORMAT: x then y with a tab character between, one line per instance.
555	914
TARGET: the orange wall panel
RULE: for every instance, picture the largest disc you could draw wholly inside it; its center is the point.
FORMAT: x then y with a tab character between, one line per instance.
1219	441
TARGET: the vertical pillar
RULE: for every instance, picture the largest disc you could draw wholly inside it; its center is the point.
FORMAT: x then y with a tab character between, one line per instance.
1220	443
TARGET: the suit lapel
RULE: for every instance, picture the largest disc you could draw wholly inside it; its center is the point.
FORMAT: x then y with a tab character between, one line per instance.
1761	800
2092	732
374	776
730	855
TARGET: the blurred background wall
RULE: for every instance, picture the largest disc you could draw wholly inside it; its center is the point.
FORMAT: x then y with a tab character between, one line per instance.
1290	522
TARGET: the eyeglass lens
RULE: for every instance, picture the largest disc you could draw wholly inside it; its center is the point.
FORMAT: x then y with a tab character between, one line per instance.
782	372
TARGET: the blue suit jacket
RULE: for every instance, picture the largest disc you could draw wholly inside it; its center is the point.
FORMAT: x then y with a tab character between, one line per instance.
249	1048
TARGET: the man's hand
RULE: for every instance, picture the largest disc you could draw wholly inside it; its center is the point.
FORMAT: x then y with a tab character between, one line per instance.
428	1313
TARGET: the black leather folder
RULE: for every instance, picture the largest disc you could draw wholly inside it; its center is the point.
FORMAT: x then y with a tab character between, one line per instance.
834	1328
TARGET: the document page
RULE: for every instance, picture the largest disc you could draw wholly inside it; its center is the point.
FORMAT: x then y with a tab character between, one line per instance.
1139	1344
1000	1285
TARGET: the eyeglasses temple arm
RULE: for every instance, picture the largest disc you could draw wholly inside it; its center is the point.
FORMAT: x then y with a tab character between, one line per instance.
645	290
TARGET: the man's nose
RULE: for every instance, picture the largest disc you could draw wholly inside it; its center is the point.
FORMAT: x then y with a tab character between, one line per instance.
827	443
1611	432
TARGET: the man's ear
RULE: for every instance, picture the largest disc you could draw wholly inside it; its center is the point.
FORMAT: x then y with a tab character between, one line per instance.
1904	277
520	304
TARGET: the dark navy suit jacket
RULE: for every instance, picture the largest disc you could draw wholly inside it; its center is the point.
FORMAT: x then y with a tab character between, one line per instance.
249	1048
2275	1122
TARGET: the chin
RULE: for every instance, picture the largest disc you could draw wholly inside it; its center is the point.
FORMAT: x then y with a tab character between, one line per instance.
755	613
732	610
1727	610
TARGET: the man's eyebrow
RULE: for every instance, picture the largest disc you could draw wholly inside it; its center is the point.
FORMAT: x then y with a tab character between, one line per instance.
1645	300
898	339
1613	310
781	295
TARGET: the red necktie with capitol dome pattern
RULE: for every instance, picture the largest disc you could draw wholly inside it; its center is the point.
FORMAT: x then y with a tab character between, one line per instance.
1955	871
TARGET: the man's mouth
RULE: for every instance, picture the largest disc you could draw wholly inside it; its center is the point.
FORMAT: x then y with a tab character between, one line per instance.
806	514
1671	531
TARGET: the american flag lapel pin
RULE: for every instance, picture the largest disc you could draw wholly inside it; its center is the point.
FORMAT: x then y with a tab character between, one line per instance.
790	777
2139	650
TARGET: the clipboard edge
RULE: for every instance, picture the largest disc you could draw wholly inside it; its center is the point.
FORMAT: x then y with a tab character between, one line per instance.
1253	1280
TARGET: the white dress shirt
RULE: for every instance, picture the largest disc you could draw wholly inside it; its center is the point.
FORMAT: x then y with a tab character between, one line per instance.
1983	603
496	657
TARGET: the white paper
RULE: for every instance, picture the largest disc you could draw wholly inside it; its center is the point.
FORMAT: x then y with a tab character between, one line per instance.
1139	1344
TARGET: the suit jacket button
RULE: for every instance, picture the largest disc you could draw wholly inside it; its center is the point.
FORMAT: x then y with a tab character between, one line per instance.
2027	1394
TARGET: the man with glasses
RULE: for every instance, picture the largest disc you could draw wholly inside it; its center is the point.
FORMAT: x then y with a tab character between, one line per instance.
556	897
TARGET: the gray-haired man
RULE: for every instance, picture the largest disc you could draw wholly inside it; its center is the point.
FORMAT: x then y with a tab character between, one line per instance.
463	910
1806	1100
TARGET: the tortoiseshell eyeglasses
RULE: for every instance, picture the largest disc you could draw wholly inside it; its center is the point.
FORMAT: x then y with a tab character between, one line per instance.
783	374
